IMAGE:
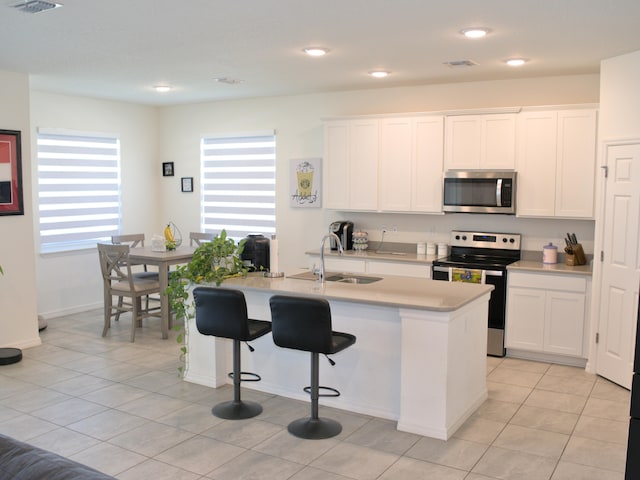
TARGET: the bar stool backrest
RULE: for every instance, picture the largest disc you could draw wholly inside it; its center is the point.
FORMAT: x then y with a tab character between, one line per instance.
301	323
221	312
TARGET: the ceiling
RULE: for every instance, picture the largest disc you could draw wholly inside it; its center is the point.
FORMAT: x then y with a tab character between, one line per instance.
120	49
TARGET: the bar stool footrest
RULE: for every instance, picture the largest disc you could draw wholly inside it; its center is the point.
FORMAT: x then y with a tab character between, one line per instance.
314	429
252	377
233	410
334	392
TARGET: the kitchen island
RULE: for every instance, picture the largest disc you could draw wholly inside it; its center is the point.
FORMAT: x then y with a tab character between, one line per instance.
419	358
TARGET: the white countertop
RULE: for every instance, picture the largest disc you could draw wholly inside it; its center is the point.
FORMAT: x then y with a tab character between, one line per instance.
395	291
538	266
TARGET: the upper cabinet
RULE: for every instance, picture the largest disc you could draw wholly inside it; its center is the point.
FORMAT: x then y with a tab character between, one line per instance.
411	164
485	141
556	163
351	164
390	164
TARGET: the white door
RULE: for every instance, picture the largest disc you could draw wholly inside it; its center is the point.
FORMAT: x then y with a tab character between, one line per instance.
621	264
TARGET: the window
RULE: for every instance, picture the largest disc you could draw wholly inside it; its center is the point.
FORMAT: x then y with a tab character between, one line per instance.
78	189
239	185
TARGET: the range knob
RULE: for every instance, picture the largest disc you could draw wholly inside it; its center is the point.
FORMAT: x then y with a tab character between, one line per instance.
512	240
464	237
457	237
504	240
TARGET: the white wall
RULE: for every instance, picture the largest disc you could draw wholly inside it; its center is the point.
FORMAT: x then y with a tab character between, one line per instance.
298	125
69	282
620	98
18	313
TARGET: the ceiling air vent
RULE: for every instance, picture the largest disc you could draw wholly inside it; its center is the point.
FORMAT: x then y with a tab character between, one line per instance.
36	6
460	63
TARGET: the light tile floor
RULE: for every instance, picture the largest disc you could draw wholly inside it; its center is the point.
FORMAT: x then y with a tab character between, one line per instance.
122	408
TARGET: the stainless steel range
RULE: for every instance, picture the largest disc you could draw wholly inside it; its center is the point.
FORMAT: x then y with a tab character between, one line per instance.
483	256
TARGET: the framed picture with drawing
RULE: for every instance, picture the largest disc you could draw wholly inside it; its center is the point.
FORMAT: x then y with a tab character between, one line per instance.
11	173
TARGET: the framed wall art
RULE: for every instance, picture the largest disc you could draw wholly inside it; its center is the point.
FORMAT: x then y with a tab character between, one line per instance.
187	184
305	183
167	169
11	173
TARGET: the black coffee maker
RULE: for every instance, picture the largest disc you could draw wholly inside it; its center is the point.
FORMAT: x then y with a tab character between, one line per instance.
344	230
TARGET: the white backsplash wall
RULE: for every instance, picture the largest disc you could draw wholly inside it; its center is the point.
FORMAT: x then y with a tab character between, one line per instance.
536	232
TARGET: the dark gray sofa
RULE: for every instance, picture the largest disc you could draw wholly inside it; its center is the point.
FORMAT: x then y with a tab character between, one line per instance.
21	461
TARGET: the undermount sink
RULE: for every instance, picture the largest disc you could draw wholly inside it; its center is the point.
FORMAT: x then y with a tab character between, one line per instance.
352	279
338	277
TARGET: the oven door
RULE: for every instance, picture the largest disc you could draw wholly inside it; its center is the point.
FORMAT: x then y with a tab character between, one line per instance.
497	305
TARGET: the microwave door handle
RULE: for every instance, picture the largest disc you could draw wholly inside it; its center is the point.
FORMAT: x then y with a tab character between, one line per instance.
499	193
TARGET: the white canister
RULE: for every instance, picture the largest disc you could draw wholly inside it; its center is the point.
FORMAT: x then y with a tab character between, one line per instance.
550	254
443	249
431	248
421	248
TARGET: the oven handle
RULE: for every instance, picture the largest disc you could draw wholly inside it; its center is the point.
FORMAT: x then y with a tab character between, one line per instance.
488	273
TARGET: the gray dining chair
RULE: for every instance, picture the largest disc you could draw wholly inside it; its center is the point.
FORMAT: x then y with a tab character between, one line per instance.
197	238
119	281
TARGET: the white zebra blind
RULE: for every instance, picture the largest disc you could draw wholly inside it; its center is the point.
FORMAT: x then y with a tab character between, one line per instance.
78	189
238	185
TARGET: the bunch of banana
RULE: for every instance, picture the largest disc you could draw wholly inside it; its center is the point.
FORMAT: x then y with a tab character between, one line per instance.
169	238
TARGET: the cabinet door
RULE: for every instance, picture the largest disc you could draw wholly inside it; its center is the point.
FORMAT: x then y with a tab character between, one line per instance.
427	171
402	269
576	164
396	140
336	264
498	148
525	319
564	323
363	164
336	165
536	164
463	142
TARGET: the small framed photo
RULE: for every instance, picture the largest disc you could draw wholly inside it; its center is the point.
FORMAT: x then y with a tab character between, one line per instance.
167	169
187	184
11	173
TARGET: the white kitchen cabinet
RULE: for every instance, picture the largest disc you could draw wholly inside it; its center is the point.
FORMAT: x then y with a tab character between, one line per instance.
556	163
411	155
402	269
546	313
485	141
351	164
335	264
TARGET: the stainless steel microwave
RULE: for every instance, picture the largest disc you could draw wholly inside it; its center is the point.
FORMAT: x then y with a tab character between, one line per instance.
480	191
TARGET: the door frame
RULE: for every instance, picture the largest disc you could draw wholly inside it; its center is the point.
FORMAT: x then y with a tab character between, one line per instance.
596	287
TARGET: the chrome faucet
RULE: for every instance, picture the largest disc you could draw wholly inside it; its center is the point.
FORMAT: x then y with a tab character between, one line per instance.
340	250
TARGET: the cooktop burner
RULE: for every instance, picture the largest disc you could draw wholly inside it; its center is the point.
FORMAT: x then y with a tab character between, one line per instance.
482	250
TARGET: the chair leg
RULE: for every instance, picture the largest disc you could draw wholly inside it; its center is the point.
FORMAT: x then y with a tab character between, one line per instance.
135	313
313	427
107	314
119	309
236	409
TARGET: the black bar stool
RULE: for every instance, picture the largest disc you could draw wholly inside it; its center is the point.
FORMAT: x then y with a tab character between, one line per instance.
223	313
305	324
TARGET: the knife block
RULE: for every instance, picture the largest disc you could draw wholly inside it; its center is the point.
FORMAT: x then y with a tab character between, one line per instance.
577	257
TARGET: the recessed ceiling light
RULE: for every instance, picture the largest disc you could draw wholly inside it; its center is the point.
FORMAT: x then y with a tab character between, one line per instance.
316	51
515	62
475	32
161	88
379	73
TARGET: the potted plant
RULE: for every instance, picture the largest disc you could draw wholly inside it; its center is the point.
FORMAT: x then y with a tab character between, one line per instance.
212	262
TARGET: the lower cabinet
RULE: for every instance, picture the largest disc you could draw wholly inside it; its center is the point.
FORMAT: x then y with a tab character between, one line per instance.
373	267
547	313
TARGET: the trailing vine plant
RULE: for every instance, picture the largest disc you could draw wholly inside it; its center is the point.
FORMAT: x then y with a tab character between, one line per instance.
212	262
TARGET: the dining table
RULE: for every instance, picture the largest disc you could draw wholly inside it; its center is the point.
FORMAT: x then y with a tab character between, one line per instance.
163	260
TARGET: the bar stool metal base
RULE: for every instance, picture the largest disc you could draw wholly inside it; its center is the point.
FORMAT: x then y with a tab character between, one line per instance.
314	429
234	410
